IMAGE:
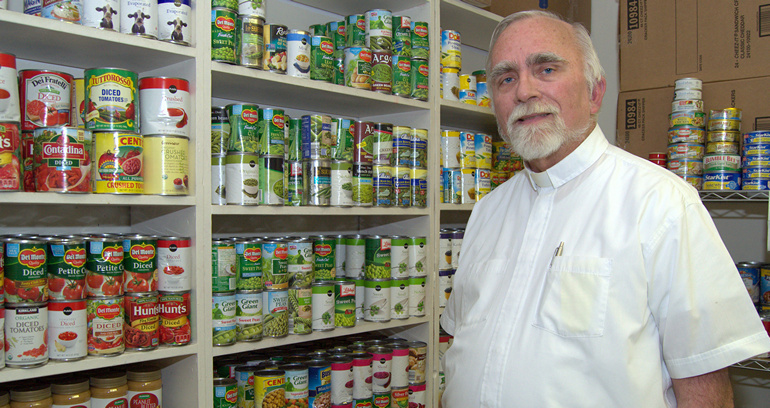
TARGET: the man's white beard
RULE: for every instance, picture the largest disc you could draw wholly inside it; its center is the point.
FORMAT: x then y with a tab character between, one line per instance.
538	140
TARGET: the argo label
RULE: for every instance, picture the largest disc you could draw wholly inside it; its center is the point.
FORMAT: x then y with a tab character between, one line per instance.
142	321
104	267
165	106
10	156
105	326
67	330
25	271
111	99
66	269
26	343
175	329
62	159
46	98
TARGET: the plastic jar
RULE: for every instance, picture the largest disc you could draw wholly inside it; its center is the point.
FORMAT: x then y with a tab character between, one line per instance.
144	387
31	396
71	392
109	389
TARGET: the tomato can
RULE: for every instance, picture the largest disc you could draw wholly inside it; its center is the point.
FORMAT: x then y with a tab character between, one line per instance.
174	312
248	315
223	265
358	67
67	330
275	313
321	58
165	161
11	158
104	266
298	53
46	98
26	279
225	393
111	96
62	159
175	21
274	57
248	262
250	40
119	163
66	260
139	17
26	342
142	321
165	106
9	89
300	310
224	321
223	35
105	325
174	260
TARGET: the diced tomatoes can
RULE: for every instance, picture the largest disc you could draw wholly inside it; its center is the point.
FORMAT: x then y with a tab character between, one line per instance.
62	159
105	325
142	321
11	158
26	341
66	266
175	21
118	163
174	259
67	330
139	260
26	279
165	161
175	325
46	98
165	106
9	89
104	266
111	99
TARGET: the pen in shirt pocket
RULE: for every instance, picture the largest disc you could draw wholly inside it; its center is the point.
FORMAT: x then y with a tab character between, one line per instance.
557	252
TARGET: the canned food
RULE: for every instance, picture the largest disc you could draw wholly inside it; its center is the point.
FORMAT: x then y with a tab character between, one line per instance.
451	53
272	137
139	18
11	158
298	50
399	298
360	296
355	30
274	57
25	335
418	182
687	105
248	315
363	145
275	306
362	184
417	394
175	21
342	132
295	184
756	137
358	67
248	264
316	136
111	96
271	180
300	262
244	128
223	266
220	130
65	264
419	79
686	151
223	34
104	266
419	147
722	148
377	300
688	83
241	179
420	40
319	181
417	296
175	329
749	272
723	136
105	325
336	31
755	160
379	29
225	392
362	376
223	318
686	134
297	381
382	71
695	181
62	161
139	260
46	97
684	94
119	163
174	260
257	8
275	264
728	114
402	75
691	118
269	388
344	304
355	250
724	124
341	379
300	310
165	106
760	149
721	181
382	185
321	58
67	330
323	302
9	90
142	321
755	184
722	162
319	383
482	95
755	172
341	183
250	41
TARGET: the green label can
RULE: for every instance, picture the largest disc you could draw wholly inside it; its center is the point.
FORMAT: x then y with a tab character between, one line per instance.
355	255
317	29
377	300
377	257
316	137
344	304
341	183
293	144
418	256
402	36
295	182
248	315
271	180
111	99
26	279
321	58
323	306
300	262
402	75
379	29
218	188
419	187
300	310
358	67
355	30
104	266
382	71
250	41
223	35
381	400
402	186
275	267
399	298
66	266
382	143
420	41
244	129
419	79
338	71
139	262
244	374
223	266
402	146
419	148
360	296
336	31
248	261
275	303
361	184
223	327
225	393
417	296
220	130
272	133
340	255
382	185
324	254
342	133
399	257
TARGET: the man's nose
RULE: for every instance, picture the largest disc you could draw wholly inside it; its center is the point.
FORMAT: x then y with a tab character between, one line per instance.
526	88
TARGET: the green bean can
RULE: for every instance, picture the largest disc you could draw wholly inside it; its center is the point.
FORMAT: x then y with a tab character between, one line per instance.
293	142
317	29
355	255
402	186
377	257
402	36
358	67
271	180
342	133
402	146
244	129
324	251
223	266
382	71
419	79
321	58
248	315
248	255
223	35
316	137
318	173
399	257
355	30
344	303
300	262
419	148
420	41
402	75
220	130
272	133
382	185
379	29
338	71
382	143
341	183
300	310
275	266
225	393
418	180
336	31
223	318
275	309
417	296
250	42
295	184
361	184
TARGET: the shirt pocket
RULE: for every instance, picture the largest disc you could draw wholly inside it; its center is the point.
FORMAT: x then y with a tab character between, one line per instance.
477	301
573	302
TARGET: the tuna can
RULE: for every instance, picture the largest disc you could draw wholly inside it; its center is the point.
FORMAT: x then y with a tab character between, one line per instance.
256	8
65	264
403	150
9	89
693	118
319	383
755	184
344	304
225	392
482	95
721	180
119	163
295	184
274	57
220	130
728	114
379	29
417	394
165	165
358	67
451	53
749	272
382	71
223	309
723	136
300	310
67	330
300	262
688	83
25	270
111	96
46	98
754	160
382	186
483	151
298	53
165	105
174	313
377	300
62	159
248	255
451	152
756	137
293	140
142	321
419	79
342	130
685	94
316	136
275	312
399	298
250	41
760	149
686	151
724	124
402	36
275	266
755	172
139	17
175	21
25	335
355	255
242	178
417	296
103	14
248	315
418	187
687	105
271	180
139	260
420	148
363	145
362	184
686	134
297	378
105	326
682	167
341	183
722	148
218	180
336	31
402	186
223	35
223	265
382	143
324	251
319	189
362	376
323	306
104	266
695	181
355	30
272	137
321	58
244	129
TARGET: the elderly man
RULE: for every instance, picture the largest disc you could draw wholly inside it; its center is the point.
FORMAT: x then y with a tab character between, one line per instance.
593	278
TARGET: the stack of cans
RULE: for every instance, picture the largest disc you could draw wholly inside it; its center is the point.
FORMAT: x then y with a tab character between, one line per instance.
658	158
505	163
450	243
466	88
686	135
466	165
756	161
722	163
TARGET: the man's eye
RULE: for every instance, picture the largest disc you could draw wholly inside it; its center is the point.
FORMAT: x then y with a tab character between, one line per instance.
548	70
507	80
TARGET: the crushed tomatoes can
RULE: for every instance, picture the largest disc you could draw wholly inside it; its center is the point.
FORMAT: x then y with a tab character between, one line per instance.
174	310
45	97
165	106
66	266
26	280
165	165
142	320
105	325
111	96
139	255
26	343
174	262
104	266
62	159
10	154
119	162
67	330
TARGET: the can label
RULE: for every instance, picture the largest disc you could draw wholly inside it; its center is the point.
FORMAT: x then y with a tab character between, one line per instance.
274	57
272	133
119	163
342	382
297	391
399	397
402	36
244	128
300	262
293	141
67	330
223	35
399	298
165	106
338	70
417	395
250	40
298	54
105	326
355	256
377	258
220	131
399	257
324	251
482	183
362	188
420	148
174	313
323	309
142	321
104	268
9	89
379	29
319	182
27	158
342	184
316	136
399	367
270	387
382	185
321	58
223	319
355	30
402	186
134	14
25	272
66	263
401	75
450	49
174	260
139	259
223	266
300	310
360	296
358	67
249	265
62	159
403	150
417	296
110	99
418	180
362	377
275	321
10	157
174	21
419	79
336	30
342	133
26	343
242	178
483	151
226	395
245	378
271	180
294	182
344	304
218	187
377	300
382	140
363	142
248	315
275	265
340	257
47	98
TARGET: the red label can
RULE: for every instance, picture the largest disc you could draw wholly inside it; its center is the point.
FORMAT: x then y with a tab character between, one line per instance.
175	255
28	160
105	325
142	320
66	265
139	254
165	106
10	156
175	327
104	266
363	143
9	89
67	330
62	159
45	97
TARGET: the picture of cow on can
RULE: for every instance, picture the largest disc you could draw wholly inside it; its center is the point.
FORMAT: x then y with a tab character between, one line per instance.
176	33
174	21
139	17
107	19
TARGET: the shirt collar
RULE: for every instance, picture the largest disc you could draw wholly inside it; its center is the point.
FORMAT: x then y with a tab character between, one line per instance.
571	166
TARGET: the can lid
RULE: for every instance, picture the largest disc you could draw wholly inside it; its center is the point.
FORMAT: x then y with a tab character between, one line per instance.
143	373
69	385
34	392
109	379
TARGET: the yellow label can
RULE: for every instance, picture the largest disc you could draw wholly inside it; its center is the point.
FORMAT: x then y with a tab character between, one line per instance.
118	163
269	388
166	165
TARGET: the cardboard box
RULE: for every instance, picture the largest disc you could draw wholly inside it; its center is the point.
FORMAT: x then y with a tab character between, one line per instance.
573	10
643	121
713	40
